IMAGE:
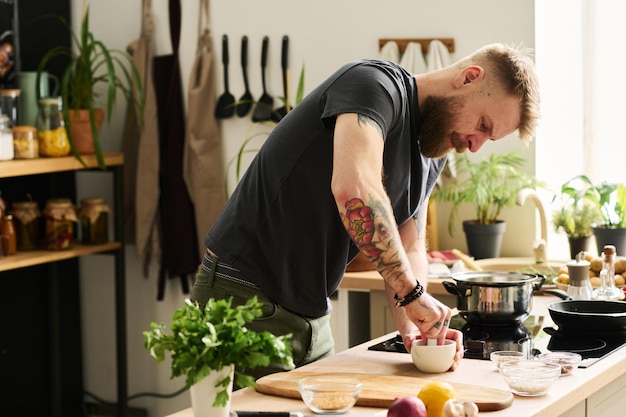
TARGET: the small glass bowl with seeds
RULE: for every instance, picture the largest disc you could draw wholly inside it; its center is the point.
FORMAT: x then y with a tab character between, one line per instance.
569	361
330	394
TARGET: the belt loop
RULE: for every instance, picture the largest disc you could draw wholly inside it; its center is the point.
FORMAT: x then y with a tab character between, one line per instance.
212	272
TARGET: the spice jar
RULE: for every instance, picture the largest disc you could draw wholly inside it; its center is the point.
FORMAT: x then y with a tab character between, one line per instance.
7	236
6	139
60	215
51	131
25	145
93	215
26	216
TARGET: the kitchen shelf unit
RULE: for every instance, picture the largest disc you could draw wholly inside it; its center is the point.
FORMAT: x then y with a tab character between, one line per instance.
114	164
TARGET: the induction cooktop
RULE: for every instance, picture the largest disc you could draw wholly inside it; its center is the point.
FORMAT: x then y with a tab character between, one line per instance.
480	341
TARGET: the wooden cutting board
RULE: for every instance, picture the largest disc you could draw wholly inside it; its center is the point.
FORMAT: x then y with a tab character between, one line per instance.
381	390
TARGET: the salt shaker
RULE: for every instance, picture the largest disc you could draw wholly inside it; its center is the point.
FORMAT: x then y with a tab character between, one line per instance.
579	284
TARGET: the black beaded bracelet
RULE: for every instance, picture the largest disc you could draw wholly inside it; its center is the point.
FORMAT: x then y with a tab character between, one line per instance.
410	297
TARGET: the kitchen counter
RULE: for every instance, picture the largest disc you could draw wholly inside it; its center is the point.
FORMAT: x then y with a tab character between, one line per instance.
592	392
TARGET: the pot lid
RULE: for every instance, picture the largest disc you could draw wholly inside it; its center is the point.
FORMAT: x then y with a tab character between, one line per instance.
494	278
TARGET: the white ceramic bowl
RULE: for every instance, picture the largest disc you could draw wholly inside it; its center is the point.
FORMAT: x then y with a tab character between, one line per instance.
329	394
529	378
433	359
567	360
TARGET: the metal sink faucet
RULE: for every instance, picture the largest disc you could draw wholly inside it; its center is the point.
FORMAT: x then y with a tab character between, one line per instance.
539	247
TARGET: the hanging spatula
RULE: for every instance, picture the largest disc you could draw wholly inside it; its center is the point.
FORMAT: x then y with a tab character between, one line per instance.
245	102
265	105
225	107
281	112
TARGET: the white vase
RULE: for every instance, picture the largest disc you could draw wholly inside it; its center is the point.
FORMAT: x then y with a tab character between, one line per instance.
204	392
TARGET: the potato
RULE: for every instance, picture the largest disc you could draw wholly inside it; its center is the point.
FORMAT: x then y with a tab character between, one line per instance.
563	279
620	266
595	282
588	257
619	281
596	264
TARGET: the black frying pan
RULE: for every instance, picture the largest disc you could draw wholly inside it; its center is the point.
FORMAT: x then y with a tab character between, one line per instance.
588	316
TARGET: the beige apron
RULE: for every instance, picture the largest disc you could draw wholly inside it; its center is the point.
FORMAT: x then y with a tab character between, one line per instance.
141	157
203	166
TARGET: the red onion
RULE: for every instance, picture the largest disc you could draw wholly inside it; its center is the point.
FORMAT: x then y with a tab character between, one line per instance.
407	407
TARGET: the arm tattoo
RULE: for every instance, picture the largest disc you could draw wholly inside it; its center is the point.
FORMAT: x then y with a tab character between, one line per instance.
364	120
374	231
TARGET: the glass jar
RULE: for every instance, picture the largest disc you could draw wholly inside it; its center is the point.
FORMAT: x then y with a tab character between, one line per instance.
7	236
93	215
8	105
25	145
51	132
607	290
6	139
26	215
60	216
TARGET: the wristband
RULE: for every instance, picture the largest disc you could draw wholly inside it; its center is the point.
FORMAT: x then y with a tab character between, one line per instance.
410	297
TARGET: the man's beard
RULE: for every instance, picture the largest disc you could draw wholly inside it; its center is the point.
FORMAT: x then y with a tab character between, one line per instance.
438	115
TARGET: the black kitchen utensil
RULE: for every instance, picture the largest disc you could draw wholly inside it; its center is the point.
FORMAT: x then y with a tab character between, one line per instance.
589	315
280	112
225	107
245	102
265	105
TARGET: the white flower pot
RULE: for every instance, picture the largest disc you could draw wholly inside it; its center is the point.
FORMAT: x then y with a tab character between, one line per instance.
204	392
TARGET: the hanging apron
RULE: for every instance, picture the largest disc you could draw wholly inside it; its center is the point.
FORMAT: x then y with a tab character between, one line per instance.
141	152
203	166
179	254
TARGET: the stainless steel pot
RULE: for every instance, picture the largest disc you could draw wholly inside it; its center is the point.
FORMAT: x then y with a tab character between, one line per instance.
494	297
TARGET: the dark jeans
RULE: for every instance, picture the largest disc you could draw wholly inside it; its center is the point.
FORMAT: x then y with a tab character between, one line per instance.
312	338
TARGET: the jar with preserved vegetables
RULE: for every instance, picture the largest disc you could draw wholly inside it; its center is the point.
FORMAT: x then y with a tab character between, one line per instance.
27	217
6	139
93	215
60	215
51	131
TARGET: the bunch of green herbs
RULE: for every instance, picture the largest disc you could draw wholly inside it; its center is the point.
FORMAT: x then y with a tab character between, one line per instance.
205	340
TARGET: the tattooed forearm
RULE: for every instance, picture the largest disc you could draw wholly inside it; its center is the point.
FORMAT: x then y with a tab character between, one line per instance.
373	230
364	120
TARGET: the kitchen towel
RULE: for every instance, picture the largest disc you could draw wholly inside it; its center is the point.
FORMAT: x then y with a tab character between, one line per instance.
438	55
413	58
390	52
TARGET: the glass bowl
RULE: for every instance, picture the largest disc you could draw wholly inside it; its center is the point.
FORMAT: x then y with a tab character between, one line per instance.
529	378
501	356
329	394
567	360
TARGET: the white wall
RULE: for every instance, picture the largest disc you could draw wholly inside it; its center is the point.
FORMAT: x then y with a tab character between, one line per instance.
323	35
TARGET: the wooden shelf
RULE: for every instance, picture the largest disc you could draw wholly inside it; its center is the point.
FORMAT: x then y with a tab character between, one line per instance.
30	258
21	167
424	42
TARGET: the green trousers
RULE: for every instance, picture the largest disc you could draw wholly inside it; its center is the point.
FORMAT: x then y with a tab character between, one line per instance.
311	337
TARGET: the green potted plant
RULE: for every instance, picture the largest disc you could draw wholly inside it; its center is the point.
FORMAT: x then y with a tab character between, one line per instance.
576	213
90	64
209	346
488	185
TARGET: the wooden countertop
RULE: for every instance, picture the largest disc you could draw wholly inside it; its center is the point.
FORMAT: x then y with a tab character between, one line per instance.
563	395
372	280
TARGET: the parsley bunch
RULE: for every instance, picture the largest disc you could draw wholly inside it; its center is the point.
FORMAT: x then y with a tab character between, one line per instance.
209	339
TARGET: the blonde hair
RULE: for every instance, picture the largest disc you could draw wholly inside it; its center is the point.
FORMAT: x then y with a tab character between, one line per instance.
513	70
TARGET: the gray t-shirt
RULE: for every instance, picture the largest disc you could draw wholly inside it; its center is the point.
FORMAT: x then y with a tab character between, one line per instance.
281	227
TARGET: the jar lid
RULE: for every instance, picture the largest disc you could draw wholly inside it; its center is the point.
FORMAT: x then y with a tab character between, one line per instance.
60	209
24	204
10	92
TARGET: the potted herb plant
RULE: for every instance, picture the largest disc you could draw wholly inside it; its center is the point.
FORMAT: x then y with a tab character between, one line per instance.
489	185
209	346
90	64
577	212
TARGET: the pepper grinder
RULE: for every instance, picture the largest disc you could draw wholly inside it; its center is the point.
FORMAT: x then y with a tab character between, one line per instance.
579	284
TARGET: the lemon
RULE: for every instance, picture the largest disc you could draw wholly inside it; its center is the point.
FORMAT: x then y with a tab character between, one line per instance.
434	395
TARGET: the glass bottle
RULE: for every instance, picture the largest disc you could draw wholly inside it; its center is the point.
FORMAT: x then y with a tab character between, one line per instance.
6	139
26	215
579	285
94	220
607	289
7	235
9	104
25	145
51	132
60	215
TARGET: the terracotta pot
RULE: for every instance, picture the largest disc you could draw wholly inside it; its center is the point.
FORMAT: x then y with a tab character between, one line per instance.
81	129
